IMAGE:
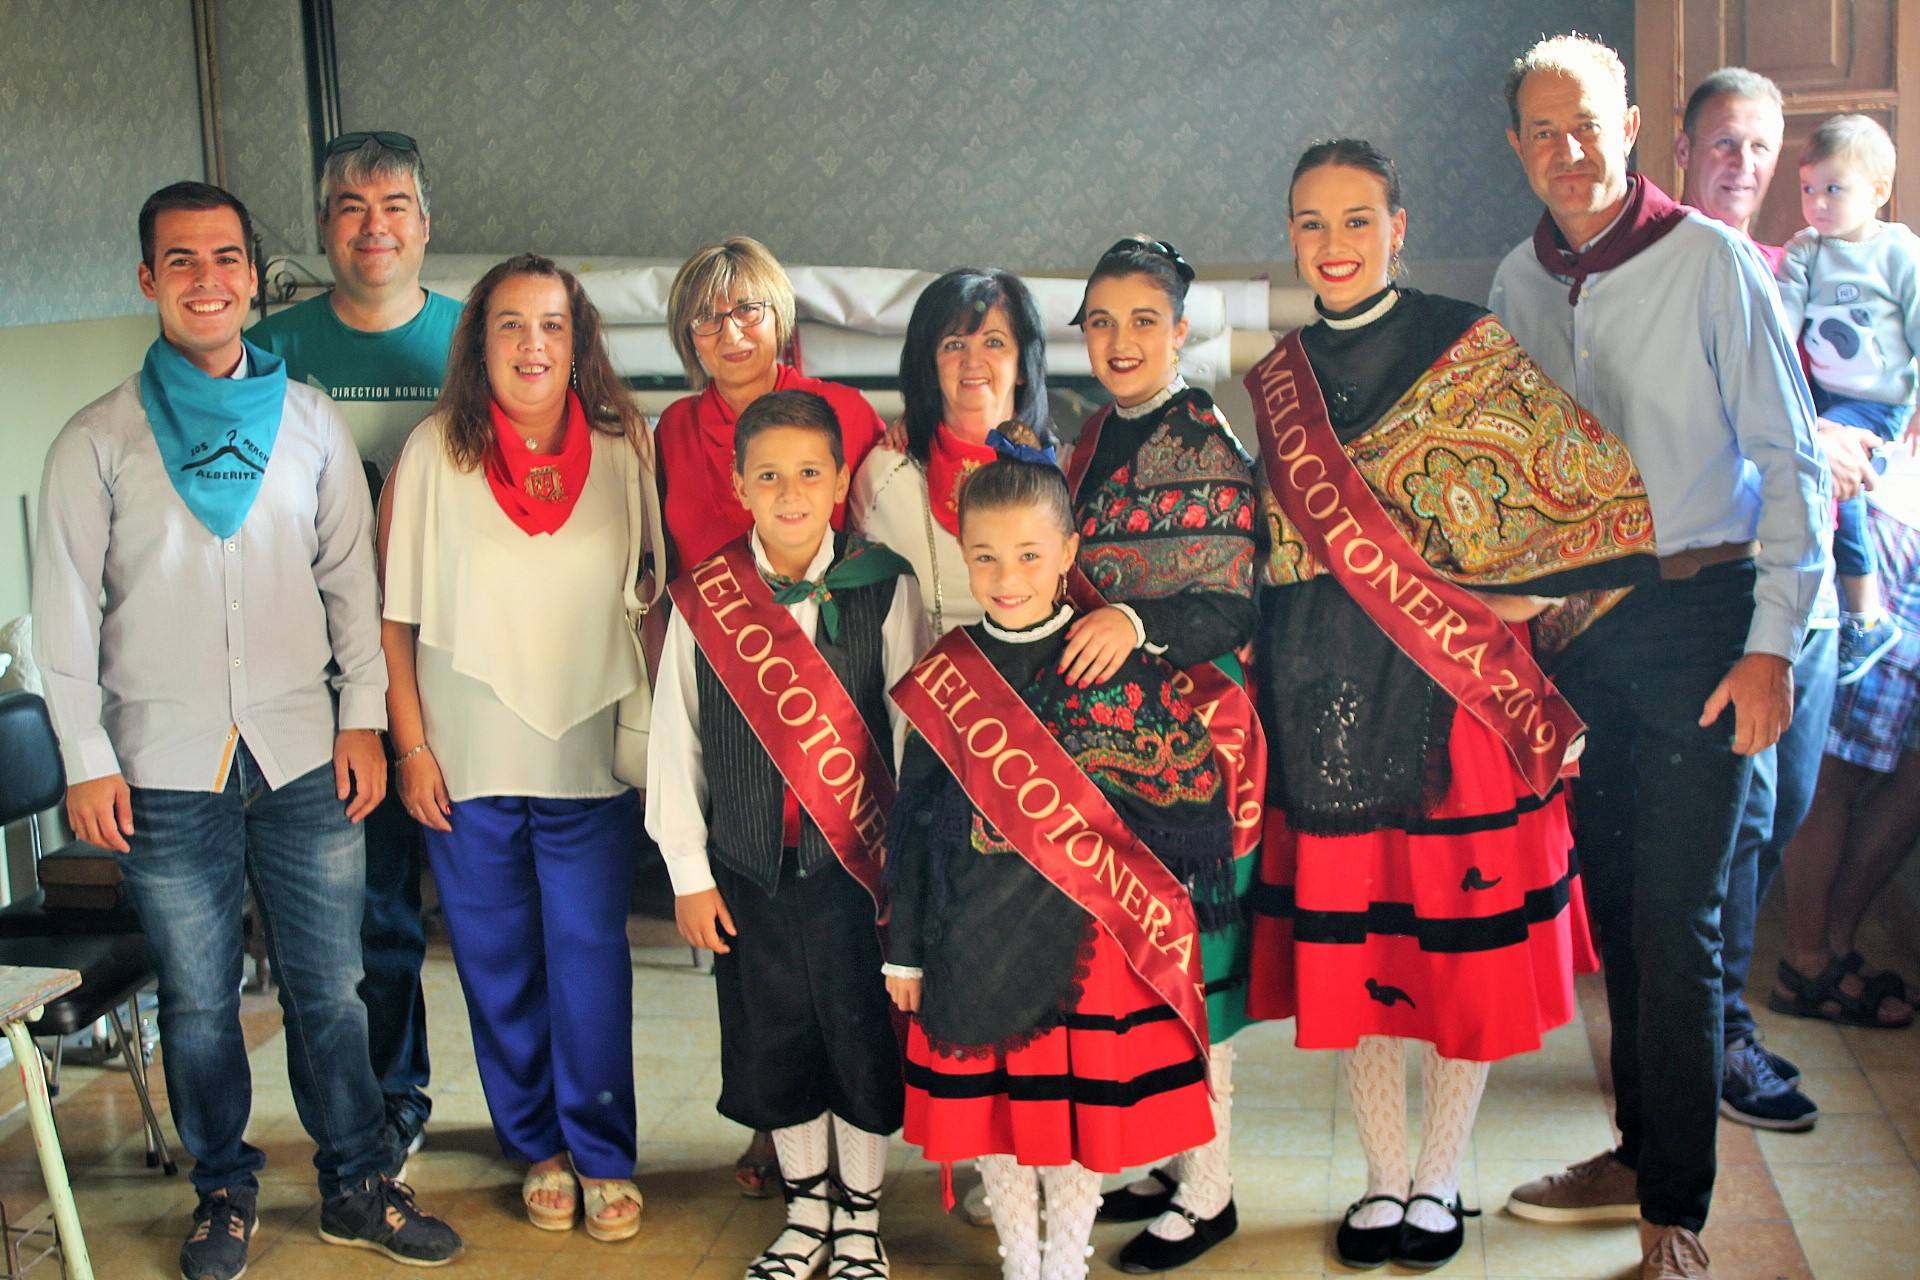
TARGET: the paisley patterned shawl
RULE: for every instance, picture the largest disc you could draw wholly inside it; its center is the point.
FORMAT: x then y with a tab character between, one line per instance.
1501	482
1178	515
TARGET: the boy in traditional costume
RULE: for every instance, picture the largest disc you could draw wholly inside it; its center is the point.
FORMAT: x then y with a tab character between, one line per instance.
1042	930
770	778
1164	506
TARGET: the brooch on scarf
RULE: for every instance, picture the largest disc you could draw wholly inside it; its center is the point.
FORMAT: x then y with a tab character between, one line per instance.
543	484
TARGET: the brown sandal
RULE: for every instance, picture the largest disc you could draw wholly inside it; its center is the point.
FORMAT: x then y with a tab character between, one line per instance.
757	1171
1823	998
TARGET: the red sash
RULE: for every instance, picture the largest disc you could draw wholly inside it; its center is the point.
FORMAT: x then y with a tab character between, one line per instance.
1453	636
796	706
1056	817
1223	704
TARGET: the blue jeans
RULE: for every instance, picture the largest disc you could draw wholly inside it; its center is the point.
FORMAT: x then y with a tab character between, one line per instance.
1778	797
1853	555
195	853
1656	807
393	943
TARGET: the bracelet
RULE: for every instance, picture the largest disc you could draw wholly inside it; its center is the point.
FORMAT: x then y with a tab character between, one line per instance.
409	754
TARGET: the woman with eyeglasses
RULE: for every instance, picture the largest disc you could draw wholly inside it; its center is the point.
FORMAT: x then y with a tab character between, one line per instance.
974	357
731	315
1165	508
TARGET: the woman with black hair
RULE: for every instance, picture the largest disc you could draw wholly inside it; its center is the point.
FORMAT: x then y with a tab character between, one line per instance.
1165	509
1430	491
974	357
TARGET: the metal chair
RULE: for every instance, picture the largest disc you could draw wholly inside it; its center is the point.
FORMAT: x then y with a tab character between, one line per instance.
107	948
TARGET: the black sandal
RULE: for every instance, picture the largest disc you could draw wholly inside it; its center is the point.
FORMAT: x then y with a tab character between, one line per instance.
1126	1205
784	1264
1424	1249
1822	997
1364	1248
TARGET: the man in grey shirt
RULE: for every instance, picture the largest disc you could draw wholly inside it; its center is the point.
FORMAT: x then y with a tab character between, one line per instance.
206	615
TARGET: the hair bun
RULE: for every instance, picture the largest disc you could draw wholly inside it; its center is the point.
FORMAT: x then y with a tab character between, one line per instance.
1017	441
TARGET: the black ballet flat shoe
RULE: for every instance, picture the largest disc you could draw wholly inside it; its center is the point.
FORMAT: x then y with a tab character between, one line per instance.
1424	1249
1364	1248
1132	1206
1147	1253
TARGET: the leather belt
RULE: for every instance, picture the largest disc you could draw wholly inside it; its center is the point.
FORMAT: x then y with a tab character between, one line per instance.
1685	564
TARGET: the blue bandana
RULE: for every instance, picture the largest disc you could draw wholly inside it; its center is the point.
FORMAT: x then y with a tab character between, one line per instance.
215	434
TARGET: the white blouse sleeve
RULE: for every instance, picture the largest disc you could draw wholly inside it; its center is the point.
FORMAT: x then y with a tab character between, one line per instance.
676	771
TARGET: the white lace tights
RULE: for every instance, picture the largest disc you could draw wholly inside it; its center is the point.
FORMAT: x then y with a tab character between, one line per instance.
1451	1089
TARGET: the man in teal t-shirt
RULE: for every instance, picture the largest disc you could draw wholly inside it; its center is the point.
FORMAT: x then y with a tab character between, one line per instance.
377	343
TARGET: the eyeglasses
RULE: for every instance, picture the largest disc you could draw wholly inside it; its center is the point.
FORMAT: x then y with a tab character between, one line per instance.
745	316
385	137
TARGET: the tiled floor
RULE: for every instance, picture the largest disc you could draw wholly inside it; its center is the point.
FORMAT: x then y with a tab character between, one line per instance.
1840	1203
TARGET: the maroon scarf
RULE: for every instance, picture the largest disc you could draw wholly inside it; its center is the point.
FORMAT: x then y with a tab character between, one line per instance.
1650	213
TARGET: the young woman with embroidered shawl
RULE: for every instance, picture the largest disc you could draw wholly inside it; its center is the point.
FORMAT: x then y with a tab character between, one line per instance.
1428	490
1165	508
975	356
1038	931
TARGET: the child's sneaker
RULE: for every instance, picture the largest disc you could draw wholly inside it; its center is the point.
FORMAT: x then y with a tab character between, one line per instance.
380	1214
1861	646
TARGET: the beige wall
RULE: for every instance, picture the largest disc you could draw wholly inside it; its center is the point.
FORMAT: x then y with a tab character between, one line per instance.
47	373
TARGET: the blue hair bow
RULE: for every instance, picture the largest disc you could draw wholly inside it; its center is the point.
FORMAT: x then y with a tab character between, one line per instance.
1019	452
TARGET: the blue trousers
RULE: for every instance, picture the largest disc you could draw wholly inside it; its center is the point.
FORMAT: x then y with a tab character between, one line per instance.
194	854
393	946
535	894
1778	796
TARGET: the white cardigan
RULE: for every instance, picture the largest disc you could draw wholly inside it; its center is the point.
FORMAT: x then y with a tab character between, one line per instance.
523	649
889	504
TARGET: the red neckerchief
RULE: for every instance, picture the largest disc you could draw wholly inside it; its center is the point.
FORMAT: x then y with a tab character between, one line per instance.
1649	214
715	420
949	461
538	490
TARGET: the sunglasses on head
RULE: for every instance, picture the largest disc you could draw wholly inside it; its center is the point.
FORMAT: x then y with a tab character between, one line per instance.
385	137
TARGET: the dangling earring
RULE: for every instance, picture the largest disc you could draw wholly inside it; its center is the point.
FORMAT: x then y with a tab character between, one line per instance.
573	373
1060	592
1395	267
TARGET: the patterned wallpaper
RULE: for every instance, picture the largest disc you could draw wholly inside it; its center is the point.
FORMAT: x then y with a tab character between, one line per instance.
263	119
908	133
922	133
100	109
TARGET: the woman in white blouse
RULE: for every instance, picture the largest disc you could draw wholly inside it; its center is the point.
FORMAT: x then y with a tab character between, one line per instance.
975	355
506	548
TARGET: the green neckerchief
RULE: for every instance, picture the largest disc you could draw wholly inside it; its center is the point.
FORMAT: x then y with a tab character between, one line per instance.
861	564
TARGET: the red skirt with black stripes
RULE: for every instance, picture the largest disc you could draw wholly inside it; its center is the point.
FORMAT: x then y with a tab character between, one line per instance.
1465	931
1119	1084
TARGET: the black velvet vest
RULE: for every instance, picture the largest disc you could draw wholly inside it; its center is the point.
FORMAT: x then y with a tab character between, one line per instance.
743	786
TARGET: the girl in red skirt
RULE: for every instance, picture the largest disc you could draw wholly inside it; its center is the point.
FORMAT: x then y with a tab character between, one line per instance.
1416	883
1038	1049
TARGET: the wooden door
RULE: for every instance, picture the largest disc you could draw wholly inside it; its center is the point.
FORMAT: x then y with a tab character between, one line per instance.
1827	56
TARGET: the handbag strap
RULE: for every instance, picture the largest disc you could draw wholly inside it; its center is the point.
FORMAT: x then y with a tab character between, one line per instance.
645	536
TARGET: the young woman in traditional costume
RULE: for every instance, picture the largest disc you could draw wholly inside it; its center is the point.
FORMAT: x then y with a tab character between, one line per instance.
1428	490
975	356
1040	931
1165	508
